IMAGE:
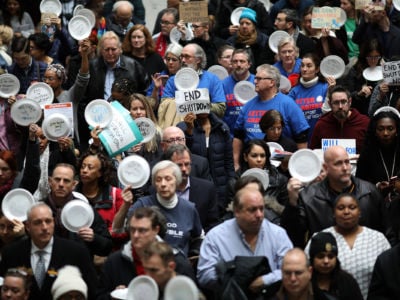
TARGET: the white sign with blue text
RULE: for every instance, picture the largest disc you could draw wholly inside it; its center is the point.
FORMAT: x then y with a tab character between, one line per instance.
348	144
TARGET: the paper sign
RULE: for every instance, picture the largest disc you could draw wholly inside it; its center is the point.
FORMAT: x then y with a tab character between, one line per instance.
61	108
360	4
348	144
122	133
326	17
193	11
391	72
196	101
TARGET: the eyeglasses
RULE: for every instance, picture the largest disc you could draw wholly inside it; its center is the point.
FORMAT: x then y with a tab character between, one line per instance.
174	140
166	23
262	78
374	57
186	56
196	26
340	102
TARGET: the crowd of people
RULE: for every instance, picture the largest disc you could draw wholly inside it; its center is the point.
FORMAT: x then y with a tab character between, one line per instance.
200	214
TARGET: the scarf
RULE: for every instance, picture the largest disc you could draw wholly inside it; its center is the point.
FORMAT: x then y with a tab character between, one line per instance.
248	39
169	204
310	83
161	45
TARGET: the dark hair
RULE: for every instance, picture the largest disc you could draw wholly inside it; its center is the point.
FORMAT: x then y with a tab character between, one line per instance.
41	41
20	44
256	142
244	51
338	89
317	62
20	13
367	47
171	11
291	16
65	165
9	157
175	148
343	195
371	141
22	273
106	167
241	183
154	214
222	49
269	118
149	44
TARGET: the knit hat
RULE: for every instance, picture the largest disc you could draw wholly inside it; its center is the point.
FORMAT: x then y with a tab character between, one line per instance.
69	279
250	14
323	242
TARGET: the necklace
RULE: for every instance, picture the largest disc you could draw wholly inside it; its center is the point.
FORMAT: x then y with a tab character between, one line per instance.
384	164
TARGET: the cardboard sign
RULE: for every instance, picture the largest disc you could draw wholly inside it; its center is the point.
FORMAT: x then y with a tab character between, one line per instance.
61	108
326	17
196	101
391	72
360	4
348	144
122	133
193	11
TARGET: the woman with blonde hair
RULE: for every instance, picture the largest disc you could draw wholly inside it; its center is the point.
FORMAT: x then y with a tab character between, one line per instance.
6	35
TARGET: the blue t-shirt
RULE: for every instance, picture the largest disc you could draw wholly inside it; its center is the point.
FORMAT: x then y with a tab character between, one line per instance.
233	106
296	69
207	80
253	110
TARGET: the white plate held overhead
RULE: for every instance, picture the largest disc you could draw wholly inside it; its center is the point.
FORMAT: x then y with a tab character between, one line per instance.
235	15
134	170
25	112
77	214
143	287
333	66
16	204
186	79
244	91
396	4
9	85
121	294
76	9
98	113
304	165
373	74
218	70
181	287
175	35
275	38
40	92
56	126
51	6
89	14
260	174
79	27
147	128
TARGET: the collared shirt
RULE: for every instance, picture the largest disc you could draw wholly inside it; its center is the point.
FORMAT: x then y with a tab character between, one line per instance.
47	256
184	194
110	78
227	240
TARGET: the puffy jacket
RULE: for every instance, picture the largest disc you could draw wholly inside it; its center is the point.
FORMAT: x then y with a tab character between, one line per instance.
218	153
314	211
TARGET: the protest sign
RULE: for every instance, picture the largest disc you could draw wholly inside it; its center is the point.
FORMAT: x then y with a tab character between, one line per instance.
196	101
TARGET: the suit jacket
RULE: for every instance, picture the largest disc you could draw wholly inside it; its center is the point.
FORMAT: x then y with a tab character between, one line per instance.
204	195
64	252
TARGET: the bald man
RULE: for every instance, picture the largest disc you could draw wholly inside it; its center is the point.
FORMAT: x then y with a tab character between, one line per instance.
310	208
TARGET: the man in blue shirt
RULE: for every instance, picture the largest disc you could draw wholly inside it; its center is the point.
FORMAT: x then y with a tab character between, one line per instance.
248	234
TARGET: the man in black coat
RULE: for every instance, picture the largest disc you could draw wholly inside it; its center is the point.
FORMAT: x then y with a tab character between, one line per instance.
54	253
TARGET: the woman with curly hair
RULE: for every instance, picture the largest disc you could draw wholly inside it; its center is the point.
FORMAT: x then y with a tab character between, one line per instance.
139	45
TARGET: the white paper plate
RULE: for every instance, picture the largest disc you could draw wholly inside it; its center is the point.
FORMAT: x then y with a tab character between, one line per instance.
373	74
9	85
143	287
98	113
244	91
147	128
181	287
76	9
55	126
175	35
396	4
25	112
40	92
16	204
235	15
285	84
273	145
1	281
343	17
51	6
218	70
89	14
186	79
77	214
274	39
260	174
387	108
304	165
134	170
79	27
332	65
121	294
